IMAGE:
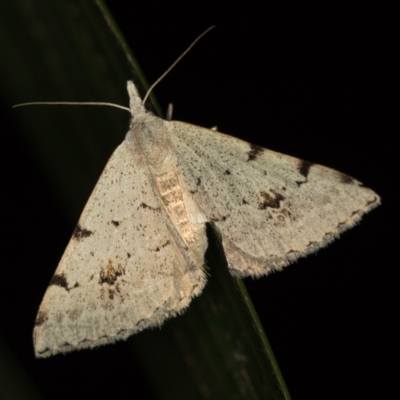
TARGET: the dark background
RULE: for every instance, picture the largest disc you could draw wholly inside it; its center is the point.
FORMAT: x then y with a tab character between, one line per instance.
313	83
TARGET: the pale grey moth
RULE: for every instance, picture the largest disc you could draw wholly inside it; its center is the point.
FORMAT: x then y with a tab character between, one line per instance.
136	257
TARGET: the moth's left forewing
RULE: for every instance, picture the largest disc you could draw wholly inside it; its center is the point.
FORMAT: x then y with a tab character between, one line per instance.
270	208
123	269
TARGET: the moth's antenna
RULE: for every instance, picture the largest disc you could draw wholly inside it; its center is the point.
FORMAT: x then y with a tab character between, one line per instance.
93	103
176	62
72	103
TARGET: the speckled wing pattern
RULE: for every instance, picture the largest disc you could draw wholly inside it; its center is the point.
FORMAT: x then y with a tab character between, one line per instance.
269	208
124	269
136	256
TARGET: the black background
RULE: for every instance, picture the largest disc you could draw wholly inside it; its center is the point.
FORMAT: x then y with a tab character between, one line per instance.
310	82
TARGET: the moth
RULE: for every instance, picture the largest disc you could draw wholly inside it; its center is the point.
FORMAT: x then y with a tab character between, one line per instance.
136	257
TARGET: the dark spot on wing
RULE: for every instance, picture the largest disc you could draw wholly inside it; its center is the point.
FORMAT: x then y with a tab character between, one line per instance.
81	233
129	255
227	172
115	223
110	274
158	248
223	218
304	169
144	205
254	152
345	178
59	280
41	318
271	200
244	201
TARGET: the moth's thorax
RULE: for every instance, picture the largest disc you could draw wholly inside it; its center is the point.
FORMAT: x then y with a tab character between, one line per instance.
151	137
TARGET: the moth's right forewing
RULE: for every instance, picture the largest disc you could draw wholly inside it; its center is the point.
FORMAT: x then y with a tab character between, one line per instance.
270	208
